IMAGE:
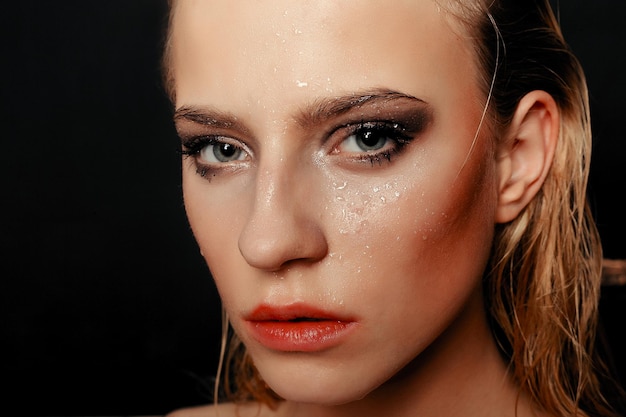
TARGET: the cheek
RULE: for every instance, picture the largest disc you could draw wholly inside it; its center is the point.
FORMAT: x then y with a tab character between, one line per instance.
425	236
216	219
421	209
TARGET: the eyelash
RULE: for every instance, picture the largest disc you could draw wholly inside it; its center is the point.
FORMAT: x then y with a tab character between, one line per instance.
388	131
194	146
394	135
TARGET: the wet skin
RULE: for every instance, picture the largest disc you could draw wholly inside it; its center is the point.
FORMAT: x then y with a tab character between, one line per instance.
334	163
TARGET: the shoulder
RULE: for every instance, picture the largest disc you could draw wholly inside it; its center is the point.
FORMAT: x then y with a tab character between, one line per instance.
251	409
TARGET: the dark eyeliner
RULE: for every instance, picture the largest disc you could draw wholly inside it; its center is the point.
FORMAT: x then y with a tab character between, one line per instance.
193	145
401	131
392	131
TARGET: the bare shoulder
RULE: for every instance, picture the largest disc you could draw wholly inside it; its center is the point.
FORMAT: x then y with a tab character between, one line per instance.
252	409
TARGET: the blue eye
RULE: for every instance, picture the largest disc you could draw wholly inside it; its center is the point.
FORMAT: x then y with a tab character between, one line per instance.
220	153
214	150
215	154
369	137
374	141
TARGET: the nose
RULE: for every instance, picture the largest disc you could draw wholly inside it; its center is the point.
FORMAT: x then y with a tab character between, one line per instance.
283	227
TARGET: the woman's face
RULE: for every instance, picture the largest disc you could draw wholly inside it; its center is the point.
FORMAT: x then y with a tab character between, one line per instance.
335	183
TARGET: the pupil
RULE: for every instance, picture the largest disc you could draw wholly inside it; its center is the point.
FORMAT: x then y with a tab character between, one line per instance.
371	140
226	151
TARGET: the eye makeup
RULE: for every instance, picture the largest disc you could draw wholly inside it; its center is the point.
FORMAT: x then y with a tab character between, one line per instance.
214	154
379	135
355	131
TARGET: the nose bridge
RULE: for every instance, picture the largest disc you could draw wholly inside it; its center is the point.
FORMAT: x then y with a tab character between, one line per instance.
281	227
275	184
272	187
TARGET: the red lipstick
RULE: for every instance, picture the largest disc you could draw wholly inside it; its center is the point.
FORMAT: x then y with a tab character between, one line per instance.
297	328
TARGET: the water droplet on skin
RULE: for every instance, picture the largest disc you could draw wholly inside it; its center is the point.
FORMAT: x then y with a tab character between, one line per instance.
302	83
328	87
340	187
279	276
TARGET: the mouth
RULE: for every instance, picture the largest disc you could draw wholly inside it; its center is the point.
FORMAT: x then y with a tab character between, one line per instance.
298	328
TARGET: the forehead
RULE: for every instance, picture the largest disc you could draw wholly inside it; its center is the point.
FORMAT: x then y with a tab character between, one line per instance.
322	47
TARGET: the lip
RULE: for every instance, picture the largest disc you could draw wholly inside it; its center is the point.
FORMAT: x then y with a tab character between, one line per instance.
298	327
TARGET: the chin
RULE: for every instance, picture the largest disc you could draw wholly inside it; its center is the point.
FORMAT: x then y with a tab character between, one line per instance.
322	397
320	391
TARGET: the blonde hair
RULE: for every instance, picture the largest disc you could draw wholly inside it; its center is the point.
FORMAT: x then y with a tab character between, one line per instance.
542	287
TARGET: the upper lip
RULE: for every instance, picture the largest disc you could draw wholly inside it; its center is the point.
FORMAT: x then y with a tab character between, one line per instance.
296	311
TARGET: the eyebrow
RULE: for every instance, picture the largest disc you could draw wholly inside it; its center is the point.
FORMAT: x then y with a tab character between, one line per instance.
327	108
208	116
311	115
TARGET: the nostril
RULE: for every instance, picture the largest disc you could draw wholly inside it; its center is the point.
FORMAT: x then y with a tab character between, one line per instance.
276	243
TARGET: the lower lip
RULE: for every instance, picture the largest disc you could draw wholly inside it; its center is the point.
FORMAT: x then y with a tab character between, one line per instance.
300	336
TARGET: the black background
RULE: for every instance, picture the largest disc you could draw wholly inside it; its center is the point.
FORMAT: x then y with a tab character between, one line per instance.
107	306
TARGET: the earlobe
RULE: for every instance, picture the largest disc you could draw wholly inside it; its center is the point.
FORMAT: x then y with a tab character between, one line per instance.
525	155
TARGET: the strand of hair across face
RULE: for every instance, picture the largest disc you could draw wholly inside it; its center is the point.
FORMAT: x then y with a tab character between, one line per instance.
220	364
489	95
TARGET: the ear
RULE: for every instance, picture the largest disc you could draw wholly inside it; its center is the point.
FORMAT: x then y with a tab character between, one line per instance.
525	155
